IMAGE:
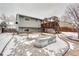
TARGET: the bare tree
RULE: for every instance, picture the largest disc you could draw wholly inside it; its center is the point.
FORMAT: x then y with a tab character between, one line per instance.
3	26
3	17
72	11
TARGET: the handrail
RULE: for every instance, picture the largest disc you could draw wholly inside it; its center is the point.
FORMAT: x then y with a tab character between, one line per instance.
1	54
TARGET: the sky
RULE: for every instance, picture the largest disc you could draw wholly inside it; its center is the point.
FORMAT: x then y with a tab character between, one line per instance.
38	10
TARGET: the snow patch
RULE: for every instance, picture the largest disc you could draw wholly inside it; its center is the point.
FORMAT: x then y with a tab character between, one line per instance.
29	42
70	33
28	53
71	45
4	39
51	49
9	48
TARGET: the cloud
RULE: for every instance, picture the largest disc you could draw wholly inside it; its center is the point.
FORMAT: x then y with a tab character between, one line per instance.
39	10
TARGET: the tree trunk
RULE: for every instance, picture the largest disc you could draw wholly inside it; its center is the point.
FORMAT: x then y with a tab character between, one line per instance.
78	35
2	30
27	35
78	31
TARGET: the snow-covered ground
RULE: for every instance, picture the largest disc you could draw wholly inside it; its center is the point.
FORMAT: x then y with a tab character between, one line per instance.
21	46
4	39
72	35
59	47
72	46
72	39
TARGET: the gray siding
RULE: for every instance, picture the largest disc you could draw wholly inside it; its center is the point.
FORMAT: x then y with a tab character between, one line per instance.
27	23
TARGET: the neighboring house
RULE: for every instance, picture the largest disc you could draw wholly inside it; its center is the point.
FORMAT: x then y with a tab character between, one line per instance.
27	23
0	24
50	25
67	27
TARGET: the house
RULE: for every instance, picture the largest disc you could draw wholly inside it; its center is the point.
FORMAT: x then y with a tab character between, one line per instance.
0	23
32	24
67	27
27	23
50	25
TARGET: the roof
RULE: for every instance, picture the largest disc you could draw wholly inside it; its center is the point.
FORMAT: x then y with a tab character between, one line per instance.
29	17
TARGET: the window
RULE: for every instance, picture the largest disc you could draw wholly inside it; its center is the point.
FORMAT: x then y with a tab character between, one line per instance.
27	19
26	30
